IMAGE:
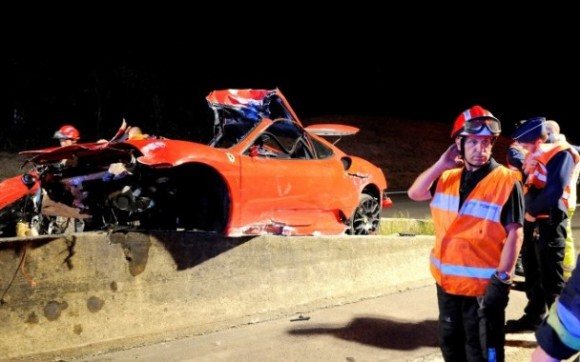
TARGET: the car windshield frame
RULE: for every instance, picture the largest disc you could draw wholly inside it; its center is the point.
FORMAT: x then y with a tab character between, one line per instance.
244	109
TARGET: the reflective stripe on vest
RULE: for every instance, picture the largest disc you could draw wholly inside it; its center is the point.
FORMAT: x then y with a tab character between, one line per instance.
468	242
565	323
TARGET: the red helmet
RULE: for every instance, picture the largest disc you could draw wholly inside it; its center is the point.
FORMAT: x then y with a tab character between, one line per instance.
67	132
473	120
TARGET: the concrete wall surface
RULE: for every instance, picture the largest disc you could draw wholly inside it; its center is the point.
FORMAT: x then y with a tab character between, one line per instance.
92	292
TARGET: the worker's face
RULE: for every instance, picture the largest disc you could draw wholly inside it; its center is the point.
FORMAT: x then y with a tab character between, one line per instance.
532	147
66	142
478	150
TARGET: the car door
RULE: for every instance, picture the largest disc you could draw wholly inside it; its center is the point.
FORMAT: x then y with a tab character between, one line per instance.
283	184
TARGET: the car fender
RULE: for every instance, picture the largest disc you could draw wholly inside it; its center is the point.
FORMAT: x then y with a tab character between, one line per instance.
13	189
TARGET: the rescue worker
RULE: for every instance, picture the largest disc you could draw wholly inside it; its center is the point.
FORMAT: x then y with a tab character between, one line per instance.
557	336
477	210
554	135
549	168
67	135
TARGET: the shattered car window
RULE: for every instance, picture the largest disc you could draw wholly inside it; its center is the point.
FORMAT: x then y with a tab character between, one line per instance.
283	139
322	151
232	134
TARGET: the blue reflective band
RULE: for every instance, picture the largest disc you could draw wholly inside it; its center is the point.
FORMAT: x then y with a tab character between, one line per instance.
481	210
445	202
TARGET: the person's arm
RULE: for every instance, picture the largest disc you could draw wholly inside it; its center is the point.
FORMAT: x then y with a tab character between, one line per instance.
512	217
420	189
557	336
511	248
539	355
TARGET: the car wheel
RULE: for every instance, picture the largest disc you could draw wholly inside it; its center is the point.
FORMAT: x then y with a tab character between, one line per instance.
366	218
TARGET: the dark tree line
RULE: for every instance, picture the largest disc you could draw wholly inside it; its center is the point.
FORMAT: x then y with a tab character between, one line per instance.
95	93
159	82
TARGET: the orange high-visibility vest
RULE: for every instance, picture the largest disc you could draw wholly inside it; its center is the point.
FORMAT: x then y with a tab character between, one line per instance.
468	242
539	173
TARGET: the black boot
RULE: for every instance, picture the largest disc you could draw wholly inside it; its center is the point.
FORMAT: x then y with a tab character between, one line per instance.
524	324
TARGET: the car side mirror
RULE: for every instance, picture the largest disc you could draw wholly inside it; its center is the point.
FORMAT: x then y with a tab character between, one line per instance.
346	162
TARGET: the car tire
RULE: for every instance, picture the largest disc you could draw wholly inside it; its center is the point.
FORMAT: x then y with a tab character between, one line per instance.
366	218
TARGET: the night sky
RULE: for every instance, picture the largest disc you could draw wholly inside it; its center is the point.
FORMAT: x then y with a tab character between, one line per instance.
401	72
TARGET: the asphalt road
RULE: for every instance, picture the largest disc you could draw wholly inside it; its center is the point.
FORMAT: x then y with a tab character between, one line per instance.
396	327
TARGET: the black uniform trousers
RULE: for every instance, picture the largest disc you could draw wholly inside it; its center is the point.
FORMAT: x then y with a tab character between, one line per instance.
543	261
459	329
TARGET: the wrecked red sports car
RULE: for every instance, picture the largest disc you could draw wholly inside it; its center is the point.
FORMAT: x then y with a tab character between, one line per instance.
262	173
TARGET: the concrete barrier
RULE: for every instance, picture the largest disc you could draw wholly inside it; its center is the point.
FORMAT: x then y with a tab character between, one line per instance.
93	292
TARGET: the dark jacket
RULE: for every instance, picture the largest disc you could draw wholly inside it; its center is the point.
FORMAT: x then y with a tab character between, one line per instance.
558	335
549	199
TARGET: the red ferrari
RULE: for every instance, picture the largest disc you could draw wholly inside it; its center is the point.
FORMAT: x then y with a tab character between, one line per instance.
262	173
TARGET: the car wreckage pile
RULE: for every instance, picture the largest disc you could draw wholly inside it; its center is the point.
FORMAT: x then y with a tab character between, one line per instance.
262	173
